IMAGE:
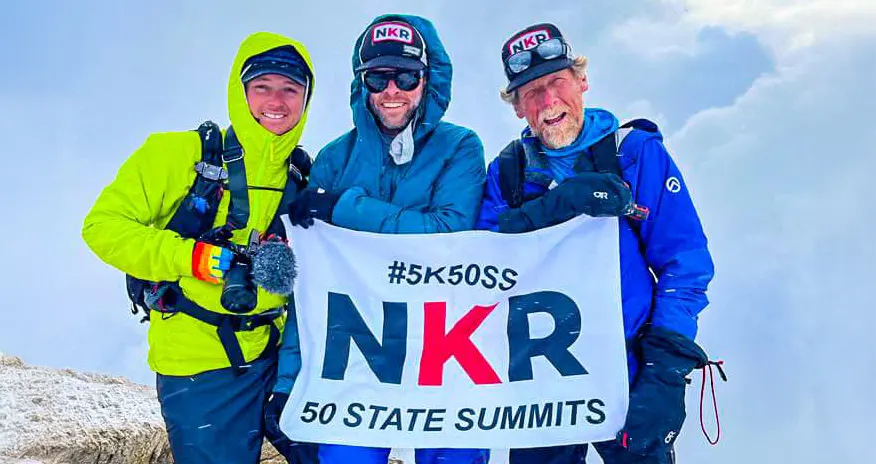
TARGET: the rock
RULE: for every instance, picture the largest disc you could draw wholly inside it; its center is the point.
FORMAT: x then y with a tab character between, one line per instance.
10	361
55	416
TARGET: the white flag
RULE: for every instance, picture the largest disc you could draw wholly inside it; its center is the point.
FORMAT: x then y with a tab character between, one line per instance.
466	340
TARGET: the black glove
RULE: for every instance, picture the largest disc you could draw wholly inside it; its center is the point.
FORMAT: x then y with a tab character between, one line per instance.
591	193
310	204
656	411
294	452
273	410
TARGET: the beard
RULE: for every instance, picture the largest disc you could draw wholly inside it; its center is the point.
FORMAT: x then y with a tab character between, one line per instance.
393	124
558	135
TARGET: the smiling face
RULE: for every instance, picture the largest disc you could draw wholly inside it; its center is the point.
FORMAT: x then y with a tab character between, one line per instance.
394	107
553	105
276	102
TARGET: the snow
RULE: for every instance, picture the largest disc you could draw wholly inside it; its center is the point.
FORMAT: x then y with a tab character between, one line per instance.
63	414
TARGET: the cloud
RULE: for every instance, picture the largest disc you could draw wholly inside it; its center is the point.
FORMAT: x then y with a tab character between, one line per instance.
677	77
780	173
787	25
781	179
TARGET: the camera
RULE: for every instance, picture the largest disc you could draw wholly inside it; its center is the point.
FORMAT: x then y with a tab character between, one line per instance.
239	292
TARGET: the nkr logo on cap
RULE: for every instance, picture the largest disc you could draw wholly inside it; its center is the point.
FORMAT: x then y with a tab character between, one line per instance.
528	40
396	32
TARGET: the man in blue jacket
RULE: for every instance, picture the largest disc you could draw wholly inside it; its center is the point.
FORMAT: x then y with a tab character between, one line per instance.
401	170
665	264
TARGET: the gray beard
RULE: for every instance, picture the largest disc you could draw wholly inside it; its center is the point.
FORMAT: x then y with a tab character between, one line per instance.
558	138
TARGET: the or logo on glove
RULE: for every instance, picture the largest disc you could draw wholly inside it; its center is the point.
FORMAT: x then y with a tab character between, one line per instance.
656	412
592	193
210	262
596	194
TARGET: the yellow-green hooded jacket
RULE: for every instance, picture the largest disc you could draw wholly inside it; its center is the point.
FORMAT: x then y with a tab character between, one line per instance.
125	226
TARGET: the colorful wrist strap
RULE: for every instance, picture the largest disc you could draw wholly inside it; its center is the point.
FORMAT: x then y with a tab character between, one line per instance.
209	262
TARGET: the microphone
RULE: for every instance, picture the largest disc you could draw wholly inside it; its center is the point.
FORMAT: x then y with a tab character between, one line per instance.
274	267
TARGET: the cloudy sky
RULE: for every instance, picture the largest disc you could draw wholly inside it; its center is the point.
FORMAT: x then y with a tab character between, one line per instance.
766	106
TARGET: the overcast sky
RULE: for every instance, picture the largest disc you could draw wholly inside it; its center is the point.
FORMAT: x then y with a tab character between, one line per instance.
765	105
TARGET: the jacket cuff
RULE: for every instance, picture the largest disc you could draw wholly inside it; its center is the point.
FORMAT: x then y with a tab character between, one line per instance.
283	386
666	348
183	258
346	202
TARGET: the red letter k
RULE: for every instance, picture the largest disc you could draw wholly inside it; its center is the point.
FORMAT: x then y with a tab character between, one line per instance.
438	347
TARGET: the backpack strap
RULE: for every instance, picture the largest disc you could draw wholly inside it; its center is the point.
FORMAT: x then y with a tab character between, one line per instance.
605	159
605	155
232	156
512	163
196	213
606	151
210	165
299	170
300	165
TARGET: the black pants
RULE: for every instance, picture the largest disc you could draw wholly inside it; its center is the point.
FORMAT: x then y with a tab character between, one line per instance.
609	451
216	417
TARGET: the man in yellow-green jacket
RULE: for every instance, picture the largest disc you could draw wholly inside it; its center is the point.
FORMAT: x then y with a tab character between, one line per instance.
215	365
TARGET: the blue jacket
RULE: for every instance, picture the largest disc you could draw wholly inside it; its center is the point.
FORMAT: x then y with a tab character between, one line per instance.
439	190
670	243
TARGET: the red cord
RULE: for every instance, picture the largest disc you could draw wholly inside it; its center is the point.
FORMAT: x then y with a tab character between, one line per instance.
714	400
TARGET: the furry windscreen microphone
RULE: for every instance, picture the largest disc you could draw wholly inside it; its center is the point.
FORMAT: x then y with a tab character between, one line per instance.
273	267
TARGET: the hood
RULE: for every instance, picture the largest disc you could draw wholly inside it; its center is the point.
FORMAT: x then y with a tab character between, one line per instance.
254	138
436	96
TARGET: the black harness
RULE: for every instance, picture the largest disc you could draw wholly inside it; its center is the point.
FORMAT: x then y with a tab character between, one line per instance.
514	158
221	167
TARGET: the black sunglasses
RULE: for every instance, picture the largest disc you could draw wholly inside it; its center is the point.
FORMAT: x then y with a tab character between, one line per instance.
378	81
545	51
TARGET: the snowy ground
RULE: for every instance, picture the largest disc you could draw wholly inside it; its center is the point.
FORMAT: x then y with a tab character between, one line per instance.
62	416
66	416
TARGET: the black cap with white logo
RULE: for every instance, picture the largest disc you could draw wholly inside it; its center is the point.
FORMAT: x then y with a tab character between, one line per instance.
520	71
392	44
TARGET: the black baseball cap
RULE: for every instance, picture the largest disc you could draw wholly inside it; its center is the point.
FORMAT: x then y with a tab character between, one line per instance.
285	61
526	40
392	44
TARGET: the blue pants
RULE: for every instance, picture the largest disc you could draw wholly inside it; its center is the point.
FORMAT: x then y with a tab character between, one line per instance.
217	416
341	454
609	451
